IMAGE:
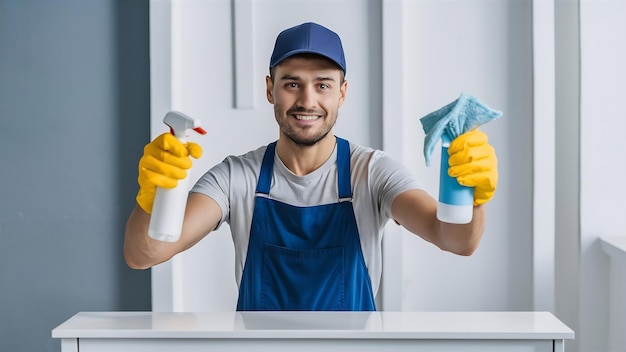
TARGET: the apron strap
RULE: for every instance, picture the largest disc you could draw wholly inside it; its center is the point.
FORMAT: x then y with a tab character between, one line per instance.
343	170
265	177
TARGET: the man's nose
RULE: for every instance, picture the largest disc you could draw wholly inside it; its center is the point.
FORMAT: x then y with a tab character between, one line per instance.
306	99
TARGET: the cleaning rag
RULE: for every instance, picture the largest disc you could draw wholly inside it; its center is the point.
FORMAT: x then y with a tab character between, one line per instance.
454	119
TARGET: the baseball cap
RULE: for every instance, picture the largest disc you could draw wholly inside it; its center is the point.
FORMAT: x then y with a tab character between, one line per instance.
309	38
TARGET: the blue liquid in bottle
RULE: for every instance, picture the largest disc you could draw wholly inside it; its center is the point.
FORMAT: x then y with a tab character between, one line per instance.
456	202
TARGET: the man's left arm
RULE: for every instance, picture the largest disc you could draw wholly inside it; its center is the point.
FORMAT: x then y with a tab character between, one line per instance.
474	164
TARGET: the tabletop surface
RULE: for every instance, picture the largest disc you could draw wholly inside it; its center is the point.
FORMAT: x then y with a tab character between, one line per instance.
286	325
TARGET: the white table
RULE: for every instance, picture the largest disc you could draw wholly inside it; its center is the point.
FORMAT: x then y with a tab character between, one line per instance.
313	331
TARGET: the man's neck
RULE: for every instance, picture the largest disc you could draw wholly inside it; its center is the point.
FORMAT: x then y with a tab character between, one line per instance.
302	160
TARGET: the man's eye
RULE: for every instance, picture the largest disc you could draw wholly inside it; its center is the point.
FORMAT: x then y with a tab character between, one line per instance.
323	86
292	85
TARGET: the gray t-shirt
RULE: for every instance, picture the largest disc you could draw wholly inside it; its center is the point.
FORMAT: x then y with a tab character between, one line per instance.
376	181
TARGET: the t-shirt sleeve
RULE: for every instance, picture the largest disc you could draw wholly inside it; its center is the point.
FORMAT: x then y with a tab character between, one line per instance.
215	183
390	178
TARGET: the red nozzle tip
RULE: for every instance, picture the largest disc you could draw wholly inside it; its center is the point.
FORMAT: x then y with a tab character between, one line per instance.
200	130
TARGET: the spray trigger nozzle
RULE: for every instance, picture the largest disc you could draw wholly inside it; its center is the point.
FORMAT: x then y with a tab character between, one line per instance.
200	130
179	123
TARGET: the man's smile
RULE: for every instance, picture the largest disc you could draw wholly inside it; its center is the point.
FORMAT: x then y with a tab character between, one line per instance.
307	117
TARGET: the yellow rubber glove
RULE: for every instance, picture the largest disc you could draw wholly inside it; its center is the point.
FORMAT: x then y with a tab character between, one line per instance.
165	160
474	164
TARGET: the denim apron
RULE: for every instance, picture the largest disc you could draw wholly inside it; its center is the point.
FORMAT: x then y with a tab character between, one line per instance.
305	258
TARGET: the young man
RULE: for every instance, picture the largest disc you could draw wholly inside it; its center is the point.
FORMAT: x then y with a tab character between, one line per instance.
307	211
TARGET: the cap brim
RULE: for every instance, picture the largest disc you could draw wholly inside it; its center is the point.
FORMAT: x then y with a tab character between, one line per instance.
306	51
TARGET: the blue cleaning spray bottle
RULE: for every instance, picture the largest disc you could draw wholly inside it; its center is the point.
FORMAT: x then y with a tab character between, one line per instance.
456	202
168	211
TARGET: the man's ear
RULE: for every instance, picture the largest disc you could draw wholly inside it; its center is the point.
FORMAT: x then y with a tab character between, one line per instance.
269	87
343	90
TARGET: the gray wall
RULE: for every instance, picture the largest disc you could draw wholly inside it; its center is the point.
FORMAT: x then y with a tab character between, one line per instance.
74	116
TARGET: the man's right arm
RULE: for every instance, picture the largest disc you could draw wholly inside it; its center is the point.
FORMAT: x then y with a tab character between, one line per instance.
165	161
202	215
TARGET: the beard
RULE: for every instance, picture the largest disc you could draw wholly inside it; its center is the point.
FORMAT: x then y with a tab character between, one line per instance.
303	141
299	135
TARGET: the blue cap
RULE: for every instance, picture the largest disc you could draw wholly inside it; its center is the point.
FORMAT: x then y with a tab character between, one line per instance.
309	38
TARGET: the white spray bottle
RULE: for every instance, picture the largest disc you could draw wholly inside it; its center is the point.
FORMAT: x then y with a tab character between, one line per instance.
168	211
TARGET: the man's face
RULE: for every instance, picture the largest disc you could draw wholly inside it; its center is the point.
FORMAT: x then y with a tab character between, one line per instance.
306	94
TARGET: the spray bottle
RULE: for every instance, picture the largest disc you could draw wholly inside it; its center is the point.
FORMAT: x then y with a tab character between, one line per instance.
168	211
456	202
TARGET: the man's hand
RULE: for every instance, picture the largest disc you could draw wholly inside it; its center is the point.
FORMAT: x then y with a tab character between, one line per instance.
474	164
165	160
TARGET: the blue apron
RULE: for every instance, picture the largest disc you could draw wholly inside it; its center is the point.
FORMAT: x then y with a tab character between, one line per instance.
305	258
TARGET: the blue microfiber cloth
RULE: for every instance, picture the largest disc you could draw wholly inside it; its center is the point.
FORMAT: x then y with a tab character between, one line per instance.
454	119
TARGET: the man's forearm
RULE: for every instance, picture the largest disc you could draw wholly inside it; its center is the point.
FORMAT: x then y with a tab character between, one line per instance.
141	251
463	239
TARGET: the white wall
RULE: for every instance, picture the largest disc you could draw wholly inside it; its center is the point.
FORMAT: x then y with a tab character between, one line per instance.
602	170
590	74
482	48
567	165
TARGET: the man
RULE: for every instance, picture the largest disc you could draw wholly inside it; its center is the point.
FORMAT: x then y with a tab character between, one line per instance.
307	211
